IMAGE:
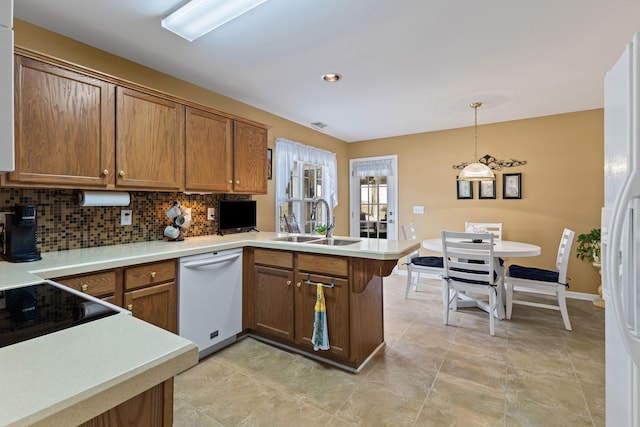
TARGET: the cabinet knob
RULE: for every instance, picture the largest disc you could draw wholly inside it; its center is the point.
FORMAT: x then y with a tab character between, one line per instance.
237	181
153	274
84	287
230	182
288	282
121	174
105	172
298	284
130	307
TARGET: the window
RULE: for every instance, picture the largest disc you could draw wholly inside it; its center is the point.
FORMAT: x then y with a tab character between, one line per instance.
304	175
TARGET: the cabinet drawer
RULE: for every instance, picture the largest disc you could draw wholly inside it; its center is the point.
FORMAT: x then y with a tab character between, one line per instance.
331	265
97	285
273	258
149	274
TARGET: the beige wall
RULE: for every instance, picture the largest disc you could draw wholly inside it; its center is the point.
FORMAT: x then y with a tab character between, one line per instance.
562	182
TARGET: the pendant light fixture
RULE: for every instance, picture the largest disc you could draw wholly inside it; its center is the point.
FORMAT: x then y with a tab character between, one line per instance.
476	171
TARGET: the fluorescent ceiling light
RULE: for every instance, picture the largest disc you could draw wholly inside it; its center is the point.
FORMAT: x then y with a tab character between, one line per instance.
198	17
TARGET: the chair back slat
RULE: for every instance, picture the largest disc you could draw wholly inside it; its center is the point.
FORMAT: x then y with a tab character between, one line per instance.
409	233
564	252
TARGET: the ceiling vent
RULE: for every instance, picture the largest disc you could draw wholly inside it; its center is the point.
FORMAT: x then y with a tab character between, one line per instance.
319	126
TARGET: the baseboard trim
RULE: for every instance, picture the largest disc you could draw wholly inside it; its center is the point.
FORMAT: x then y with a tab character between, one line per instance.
570	294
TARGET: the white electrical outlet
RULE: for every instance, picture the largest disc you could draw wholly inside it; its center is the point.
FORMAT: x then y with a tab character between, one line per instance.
418	210
126	217
211	214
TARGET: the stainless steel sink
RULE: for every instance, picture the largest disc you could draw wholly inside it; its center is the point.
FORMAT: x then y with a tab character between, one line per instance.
334	242
296	238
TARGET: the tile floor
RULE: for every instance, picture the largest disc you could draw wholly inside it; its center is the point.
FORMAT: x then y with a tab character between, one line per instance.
532	373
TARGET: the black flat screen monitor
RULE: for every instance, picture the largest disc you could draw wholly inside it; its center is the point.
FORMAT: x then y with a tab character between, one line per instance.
236	215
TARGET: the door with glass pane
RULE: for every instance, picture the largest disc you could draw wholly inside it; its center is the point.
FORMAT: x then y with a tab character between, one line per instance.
374	197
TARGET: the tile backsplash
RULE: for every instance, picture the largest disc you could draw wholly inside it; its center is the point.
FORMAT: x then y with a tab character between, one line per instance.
64	225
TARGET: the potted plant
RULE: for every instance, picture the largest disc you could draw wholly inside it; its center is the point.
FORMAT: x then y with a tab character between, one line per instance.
321	229
589	246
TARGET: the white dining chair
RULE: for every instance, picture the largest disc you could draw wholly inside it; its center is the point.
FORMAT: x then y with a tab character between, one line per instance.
431	266
521	281
494	228
469	267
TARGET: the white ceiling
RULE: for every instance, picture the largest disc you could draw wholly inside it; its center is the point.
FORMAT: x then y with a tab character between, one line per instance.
408	66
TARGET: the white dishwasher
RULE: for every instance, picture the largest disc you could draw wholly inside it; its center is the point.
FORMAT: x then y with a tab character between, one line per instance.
210	299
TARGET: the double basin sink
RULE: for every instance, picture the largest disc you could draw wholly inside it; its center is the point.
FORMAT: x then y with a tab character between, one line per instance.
328	241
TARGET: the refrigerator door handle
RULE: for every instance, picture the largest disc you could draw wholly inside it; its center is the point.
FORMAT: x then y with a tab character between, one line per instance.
630	190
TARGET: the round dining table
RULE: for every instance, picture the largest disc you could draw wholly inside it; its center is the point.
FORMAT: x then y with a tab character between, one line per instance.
501	248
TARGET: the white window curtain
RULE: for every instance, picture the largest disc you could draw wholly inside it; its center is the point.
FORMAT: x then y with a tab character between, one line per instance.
289	152
378	167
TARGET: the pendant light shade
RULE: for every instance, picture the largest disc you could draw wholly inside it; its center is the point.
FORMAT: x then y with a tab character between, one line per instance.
476	171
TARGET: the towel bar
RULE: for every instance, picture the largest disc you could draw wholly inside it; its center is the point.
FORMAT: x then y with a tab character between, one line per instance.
309	282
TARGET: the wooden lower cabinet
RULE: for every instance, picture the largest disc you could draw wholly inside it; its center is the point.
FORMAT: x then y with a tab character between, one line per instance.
337	306
155	304
151	293
106	285
153	407
284	301
274	302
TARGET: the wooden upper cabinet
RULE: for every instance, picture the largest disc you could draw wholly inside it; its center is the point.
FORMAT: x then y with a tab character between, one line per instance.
223	155
149	141
64	127
249	159
73	130
209	152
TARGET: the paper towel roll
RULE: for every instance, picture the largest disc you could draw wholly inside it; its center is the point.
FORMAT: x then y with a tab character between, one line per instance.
103	198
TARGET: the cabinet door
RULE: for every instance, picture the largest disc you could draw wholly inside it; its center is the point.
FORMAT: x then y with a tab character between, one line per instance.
105	285
249	159
153	407
149	141
337	306
64	127
273	295
208	152
155	304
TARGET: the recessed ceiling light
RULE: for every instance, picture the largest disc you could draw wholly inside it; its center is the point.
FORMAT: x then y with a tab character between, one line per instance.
332	77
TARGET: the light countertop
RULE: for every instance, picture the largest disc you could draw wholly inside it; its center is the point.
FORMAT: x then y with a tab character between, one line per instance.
70	376
78	261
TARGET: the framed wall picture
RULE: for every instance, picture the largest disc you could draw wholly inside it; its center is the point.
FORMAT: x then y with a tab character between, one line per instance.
487	189
512	186
464	189
269	163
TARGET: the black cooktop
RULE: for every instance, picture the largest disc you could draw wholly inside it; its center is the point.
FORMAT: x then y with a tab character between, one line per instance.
31	311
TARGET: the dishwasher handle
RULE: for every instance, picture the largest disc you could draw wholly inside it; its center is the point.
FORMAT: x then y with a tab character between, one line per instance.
211	261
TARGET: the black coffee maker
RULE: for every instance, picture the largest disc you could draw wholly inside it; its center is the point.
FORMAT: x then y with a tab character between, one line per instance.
20	235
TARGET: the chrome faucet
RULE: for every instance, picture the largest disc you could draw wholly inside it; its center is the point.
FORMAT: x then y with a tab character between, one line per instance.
331	226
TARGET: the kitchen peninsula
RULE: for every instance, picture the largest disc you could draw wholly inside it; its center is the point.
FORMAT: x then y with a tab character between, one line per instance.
74	391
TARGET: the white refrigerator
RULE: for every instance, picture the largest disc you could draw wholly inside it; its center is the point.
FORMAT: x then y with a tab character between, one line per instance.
621	238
